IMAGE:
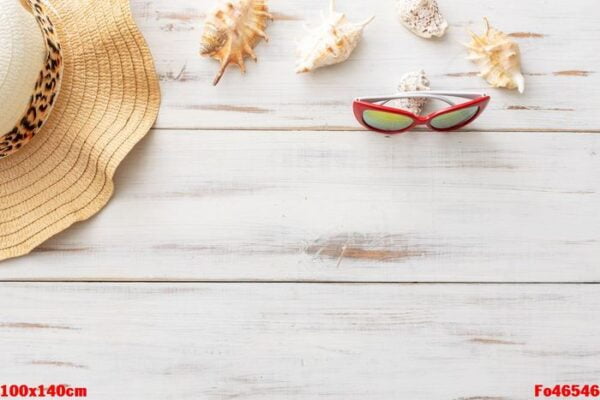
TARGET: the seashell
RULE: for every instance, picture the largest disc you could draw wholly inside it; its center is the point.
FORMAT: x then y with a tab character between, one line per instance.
331	43
422	17
232	30
498	58
411	82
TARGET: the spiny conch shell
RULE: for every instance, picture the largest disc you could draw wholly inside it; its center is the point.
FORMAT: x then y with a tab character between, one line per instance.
232	30
411	82
331	43
498	58
422	17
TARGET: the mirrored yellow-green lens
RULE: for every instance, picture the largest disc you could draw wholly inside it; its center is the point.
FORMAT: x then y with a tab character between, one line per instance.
386	121
454	118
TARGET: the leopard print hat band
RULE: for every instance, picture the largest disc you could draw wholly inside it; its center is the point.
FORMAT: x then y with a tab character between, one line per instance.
30	71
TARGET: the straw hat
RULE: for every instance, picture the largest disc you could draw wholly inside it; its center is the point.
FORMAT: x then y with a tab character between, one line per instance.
78	90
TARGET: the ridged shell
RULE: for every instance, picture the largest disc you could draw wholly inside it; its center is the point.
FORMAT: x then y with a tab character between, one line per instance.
331	43
232	30
412	82
422	17
498	58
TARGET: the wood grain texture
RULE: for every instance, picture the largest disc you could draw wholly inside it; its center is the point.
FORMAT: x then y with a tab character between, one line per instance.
287	190
559	42
341	206
300	341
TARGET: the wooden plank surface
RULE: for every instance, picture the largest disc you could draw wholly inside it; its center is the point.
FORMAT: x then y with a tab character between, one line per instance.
265	178
341	206
300	341
558	39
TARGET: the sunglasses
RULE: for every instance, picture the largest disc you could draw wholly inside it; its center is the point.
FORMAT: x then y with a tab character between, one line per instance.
373	114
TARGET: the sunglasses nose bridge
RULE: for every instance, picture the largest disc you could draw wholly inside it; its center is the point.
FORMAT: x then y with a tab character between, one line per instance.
421	120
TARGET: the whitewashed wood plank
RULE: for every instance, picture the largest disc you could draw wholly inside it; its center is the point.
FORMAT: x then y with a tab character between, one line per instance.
341	206
268	341
559	42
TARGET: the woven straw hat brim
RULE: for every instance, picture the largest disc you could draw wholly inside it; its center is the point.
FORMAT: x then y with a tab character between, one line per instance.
109	100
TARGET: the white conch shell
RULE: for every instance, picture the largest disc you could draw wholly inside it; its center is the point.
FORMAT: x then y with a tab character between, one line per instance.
331	43
422	17
498	58
232	30
412	82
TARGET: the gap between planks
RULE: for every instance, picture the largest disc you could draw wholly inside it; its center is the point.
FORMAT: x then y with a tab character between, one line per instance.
352	129
290	282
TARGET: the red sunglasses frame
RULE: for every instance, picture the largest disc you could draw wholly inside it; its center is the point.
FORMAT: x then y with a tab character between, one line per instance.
360	106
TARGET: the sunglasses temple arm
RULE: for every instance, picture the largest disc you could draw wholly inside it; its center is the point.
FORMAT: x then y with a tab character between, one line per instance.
431	94
386	99
466	95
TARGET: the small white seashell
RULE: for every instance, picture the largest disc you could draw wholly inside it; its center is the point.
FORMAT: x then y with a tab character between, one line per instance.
422	17
411	82
331	43
498	58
